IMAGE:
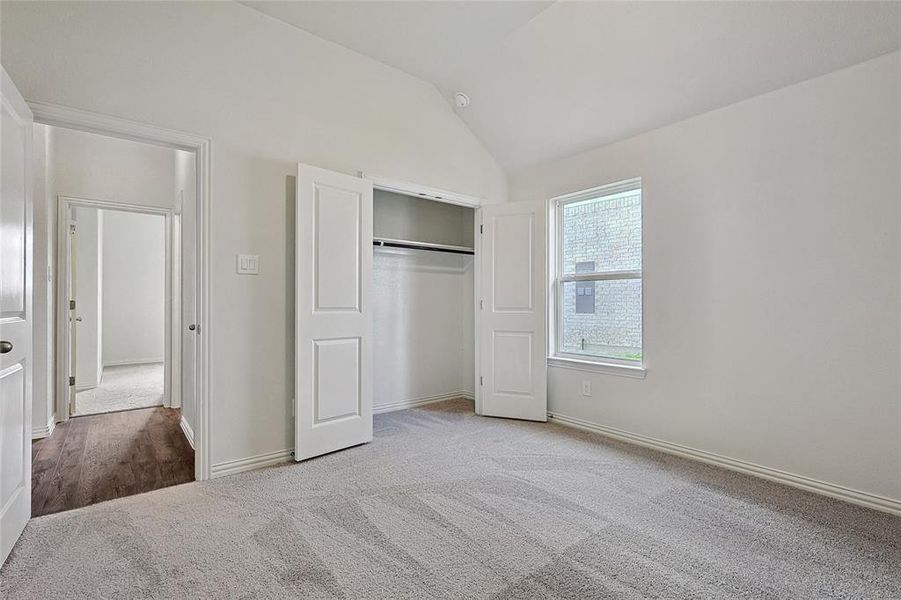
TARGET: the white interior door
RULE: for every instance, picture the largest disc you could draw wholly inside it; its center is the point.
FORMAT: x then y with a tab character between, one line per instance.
513	329
73	313
190	344
15	314
334	312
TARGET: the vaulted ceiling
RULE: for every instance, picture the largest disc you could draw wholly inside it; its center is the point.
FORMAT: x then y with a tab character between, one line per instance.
550	79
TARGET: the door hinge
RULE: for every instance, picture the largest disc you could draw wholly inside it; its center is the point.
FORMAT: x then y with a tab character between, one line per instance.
481	304
71	380
481	381
71	304
481	229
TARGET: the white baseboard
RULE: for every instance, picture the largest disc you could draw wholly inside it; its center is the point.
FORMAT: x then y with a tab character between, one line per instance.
188	431
832	490
45	431
249	464
133	361
405	404
274	458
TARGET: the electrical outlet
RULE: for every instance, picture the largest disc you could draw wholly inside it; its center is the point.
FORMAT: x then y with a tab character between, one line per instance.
586	388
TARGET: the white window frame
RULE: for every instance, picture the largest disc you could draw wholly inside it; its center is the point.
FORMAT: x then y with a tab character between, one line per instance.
583	362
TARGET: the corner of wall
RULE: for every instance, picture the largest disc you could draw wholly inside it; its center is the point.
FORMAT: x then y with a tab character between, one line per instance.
498	190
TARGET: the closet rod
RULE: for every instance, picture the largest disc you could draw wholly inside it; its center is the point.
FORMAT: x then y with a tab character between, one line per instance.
389	243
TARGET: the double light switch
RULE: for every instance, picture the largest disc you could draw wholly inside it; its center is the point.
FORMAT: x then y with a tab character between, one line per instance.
248	264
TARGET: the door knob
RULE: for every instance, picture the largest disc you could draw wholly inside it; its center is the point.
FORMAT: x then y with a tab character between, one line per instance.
192	327
79	319
5	347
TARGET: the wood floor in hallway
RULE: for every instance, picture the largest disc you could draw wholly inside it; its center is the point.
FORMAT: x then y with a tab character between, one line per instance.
100	457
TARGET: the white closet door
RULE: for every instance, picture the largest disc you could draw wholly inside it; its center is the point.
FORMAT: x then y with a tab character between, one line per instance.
334	312
513	331
15	314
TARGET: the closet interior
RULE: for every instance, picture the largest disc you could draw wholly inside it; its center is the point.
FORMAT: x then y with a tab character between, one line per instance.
423	300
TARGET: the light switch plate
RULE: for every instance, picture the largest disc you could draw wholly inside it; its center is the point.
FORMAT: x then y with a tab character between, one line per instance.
248	264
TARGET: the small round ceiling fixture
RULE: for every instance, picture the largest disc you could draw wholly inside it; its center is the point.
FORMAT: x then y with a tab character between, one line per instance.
461	100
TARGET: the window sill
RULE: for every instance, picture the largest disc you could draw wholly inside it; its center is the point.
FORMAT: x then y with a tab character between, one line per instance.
633	371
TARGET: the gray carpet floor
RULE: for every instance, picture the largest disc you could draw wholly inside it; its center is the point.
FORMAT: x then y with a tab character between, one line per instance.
123	387
444	504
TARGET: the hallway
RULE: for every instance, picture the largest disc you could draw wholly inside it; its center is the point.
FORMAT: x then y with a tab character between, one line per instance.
100	457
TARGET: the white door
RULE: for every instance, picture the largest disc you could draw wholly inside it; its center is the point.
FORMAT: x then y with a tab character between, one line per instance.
189	341
333	371
73	313
513	329
15	315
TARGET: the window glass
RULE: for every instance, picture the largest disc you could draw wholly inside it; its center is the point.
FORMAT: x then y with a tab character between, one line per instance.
612	329
605	231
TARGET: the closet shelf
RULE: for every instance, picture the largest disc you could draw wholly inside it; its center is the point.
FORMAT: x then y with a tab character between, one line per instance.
414	245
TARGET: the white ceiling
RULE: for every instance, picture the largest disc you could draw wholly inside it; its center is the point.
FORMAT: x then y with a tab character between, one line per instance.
551	79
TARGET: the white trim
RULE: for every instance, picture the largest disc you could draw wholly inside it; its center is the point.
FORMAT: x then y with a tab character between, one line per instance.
72	118
611	189
45	431
415	402
231	467
809	484
187	430
589	366
134	361
414	189
82	120
601	276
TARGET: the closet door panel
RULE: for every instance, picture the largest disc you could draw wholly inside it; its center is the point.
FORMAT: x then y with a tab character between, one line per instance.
513	329
338	228
333	371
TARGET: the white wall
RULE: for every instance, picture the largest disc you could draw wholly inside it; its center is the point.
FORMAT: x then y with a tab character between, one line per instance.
277	97
134	288
420	318
104	168
402	217
89	285
771	290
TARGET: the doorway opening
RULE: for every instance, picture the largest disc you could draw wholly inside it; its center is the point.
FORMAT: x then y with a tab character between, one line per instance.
118	317
124	292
